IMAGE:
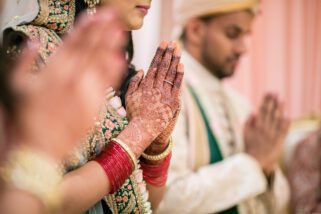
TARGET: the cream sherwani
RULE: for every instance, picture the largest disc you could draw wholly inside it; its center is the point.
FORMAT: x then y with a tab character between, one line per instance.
194	185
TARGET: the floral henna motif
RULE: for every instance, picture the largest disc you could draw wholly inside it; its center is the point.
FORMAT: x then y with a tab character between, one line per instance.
160	143
152	107
149	117
305	174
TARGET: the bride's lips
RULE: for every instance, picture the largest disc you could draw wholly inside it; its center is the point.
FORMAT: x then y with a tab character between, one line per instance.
143	8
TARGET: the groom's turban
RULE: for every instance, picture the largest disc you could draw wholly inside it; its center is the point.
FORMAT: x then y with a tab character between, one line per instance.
187	9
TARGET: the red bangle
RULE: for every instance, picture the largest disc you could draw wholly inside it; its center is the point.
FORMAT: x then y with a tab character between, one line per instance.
156	175
116	163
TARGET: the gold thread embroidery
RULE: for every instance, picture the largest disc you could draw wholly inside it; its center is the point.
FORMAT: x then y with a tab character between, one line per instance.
43	12
56	13
49	41
71	17
131	204
111	201
58	22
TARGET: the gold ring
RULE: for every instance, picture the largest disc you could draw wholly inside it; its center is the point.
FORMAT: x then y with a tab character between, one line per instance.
169	82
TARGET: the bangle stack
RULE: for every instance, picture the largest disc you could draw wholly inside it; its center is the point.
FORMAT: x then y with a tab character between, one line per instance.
161	156
128	151
118	162
156	175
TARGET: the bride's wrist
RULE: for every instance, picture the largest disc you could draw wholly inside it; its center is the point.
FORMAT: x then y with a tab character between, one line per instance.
157	147
136	137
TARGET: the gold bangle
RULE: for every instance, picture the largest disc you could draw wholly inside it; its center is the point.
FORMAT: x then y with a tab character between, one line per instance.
128	151
34	173
162	155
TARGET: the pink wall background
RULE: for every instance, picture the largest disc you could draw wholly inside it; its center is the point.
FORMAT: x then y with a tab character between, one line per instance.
284	56
284	52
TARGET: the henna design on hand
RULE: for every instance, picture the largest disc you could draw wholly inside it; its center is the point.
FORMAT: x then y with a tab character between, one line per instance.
152	103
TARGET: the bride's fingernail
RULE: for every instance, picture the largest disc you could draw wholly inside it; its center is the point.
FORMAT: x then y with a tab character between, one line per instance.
177	51
180	68
163	44
174	44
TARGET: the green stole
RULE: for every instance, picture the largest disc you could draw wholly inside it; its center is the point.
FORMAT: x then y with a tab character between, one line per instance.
215	152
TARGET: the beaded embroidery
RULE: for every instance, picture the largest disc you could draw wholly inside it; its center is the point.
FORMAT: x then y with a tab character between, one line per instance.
57	17
132	197
48	39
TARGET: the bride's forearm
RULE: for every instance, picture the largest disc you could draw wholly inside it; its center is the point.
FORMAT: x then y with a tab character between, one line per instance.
136	137
156	195
83	188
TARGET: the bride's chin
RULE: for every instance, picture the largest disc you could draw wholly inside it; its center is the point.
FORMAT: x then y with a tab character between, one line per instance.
135	23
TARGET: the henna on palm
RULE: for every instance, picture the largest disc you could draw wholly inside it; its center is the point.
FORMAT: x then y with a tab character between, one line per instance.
305	174
151	108
161	142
